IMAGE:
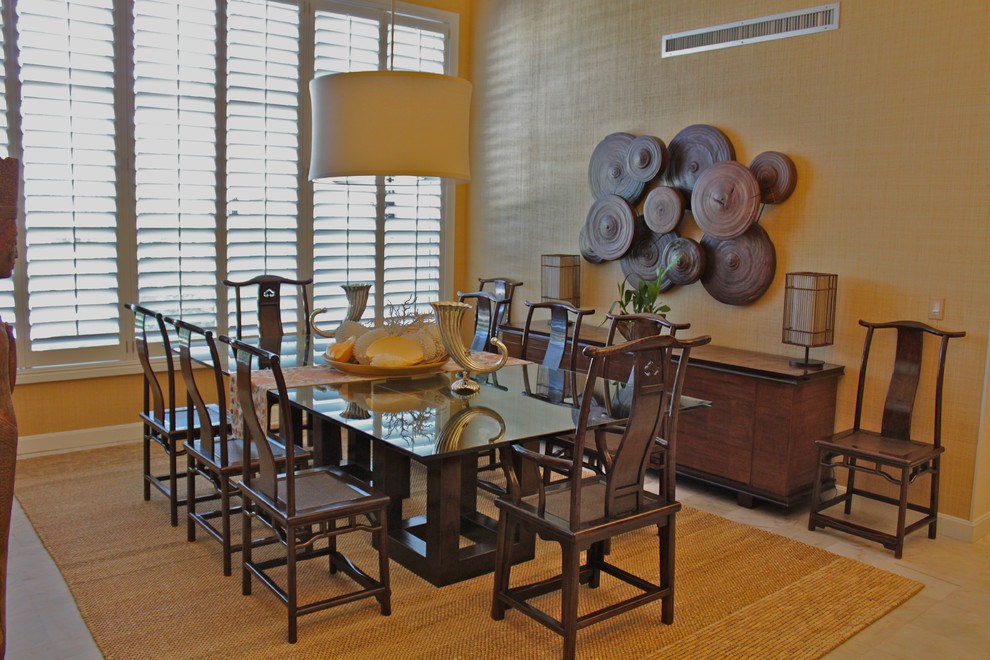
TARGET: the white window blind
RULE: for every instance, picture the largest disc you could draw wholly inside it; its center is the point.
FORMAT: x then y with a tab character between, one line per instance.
175	157
67	115
344	214
386	231
262	147
7	285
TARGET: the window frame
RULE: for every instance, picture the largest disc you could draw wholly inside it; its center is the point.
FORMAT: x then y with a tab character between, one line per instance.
121	359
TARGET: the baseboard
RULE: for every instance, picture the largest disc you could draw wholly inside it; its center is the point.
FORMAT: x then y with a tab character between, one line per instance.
53	443
963	530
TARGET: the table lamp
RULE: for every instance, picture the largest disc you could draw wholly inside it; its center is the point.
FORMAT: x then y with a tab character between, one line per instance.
809	313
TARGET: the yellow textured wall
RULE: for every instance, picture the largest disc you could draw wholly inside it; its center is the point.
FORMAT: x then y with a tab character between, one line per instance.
885	118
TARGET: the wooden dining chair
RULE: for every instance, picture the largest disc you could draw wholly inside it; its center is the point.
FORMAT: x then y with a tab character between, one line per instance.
583	513
890	455
214	456
488	309
503	288
565	328
303	508
269	306
164	422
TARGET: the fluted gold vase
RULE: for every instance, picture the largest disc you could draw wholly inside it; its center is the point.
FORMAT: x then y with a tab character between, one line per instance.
449	316
357	300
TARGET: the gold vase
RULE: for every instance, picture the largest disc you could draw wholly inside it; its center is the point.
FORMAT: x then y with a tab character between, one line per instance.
357	300
449	315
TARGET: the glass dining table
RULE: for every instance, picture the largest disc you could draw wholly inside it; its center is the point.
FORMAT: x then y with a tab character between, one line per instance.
436	527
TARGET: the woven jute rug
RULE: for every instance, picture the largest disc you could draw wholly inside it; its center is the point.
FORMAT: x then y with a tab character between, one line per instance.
144	591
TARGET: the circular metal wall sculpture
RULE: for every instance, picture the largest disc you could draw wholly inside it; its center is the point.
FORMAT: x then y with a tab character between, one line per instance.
608	173
648	254
646	158
726	200
739	270
776	175
585	246
611	227
694	150
685	261
663	209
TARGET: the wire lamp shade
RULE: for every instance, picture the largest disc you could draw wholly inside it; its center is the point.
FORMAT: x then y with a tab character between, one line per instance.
561	275
390	123
809	313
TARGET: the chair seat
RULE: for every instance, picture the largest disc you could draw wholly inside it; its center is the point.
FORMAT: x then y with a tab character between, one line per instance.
556	516
181	417
235	454
323	492
874	446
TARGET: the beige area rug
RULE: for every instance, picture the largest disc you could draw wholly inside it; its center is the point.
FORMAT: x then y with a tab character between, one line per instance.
144	591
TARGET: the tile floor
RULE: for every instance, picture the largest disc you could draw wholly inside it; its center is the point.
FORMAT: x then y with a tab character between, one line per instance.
948	619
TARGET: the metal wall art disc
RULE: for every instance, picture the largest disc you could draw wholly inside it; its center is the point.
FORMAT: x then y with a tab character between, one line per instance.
776	175
685	261
648	254
585	246
663	209
646	158
739	270
611	227
608	173
726	200
692	151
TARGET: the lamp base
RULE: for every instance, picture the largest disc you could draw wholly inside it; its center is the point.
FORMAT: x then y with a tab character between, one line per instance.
804	363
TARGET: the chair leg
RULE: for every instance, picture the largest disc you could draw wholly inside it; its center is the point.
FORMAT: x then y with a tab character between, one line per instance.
596	557
667	536
901	514
502	565
190	498
936	473
245	545
570	575
147	463
331	546
850	483
291	600
173	482
816	494
224	522
385	600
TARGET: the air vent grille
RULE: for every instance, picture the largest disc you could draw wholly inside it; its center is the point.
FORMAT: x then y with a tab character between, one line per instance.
778	26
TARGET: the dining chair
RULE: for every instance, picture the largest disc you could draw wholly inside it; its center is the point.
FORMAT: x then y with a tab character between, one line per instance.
504	288
302	508
269	306
488	308
892	453
584	513
213	453
565	329
164	422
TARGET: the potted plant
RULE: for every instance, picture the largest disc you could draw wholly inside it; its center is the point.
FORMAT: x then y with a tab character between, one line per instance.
641	299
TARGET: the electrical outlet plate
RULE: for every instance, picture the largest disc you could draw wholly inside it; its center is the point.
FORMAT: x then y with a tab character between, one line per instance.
936	308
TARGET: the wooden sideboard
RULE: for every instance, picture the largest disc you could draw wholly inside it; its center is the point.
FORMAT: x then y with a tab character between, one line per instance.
758	436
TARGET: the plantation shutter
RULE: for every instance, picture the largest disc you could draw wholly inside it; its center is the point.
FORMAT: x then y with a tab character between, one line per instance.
262	148
413	204
6	285
383	230
344	215
67	116
175	157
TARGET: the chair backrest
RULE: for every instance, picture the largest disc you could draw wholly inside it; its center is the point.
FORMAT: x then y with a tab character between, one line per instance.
898	407
503	288
266	480
488	308
657	381
209	436
269	292
149	326
565	328
637	326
